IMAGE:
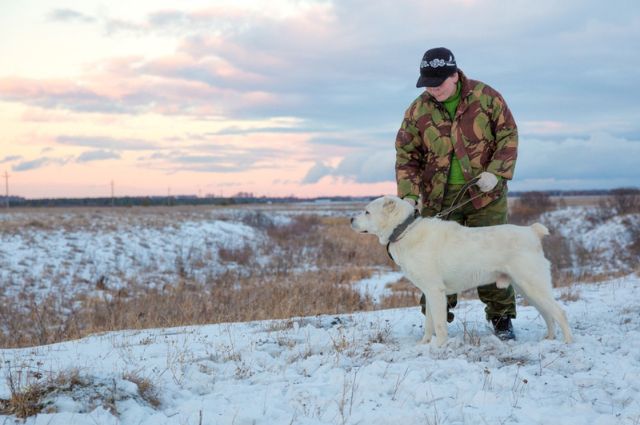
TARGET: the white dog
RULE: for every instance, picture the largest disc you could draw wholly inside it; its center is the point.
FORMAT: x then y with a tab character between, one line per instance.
444	257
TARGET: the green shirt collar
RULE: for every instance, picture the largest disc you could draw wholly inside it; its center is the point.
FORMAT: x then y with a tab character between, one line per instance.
456	96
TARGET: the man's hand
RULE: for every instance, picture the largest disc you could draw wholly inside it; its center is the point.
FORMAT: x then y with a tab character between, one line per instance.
487	181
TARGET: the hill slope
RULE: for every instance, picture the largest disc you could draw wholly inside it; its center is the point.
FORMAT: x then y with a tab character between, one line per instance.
360	368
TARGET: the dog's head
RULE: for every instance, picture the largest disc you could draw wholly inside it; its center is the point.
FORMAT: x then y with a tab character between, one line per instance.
381	216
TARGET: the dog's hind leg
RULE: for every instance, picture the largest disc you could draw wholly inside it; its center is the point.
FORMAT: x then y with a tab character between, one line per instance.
548	319
551	311
536	287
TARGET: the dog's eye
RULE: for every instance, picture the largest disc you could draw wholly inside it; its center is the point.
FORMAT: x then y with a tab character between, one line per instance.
366	213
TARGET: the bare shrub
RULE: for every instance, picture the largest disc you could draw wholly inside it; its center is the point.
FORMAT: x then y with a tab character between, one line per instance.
634	247
258	220
146	389
557	249
529	206
299	226
624	200
243	255
470	333
570	293
381	334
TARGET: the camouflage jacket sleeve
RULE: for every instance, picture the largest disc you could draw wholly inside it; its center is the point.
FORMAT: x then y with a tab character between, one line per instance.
409	158
506	136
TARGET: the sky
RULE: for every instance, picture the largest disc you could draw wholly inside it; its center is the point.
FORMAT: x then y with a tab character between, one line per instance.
300	97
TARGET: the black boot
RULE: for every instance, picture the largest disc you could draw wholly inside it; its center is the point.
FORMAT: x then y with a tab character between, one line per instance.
423	308
503	328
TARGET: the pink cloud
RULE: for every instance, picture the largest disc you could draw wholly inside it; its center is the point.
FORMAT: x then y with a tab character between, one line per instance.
14	87
45	115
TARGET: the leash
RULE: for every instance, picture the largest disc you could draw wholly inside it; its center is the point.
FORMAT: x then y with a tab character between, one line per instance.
456	202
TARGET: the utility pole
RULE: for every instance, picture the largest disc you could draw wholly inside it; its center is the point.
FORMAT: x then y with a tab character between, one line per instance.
6	186
112	194
169	196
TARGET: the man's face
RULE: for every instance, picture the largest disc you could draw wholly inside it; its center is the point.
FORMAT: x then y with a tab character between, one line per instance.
444	90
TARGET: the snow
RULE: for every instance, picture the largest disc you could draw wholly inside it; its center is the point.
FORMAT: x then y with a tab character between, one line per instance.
75	258
361	368
365	368
377	286
604	237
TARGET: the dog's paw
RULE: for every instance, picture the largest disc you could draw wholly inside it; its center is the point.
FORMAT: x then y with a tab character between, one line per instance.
441	342
425	340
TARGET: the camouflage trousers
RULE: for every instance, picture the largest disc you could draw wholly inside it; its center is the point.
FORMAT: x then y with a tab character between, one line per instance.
499	302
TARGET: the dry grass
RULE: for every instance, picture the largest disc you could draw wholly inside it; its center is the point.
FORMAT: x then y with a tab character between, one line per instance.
29	390
318	260
147	391
33	391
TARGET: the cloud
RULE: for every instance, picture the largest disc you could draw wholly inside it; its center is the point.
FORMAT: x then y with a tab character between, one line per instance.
358	167
175	161
106	142
97	155
61	94
601	156
601	160
38	163
214	156
70	15
322	62
317	172
10	158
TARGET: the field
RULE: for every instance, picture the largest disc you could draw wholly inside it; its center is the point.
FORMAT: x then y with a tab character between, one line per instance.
280	314
67	273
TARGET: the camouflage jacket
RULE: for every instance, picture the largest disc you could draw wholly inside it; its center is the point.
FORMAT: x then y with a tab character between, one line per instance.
483	136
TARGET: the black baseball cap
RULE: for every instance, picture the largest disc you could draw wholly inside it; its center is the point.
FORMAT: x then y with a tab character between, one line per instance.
437	65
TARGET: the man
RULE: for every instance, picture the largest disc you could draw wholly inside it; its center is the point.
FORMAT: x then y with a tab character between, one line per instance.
456	130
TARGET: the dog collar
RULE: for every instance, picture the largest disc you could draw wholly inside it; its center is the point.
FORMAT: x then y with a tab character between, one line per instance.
398	231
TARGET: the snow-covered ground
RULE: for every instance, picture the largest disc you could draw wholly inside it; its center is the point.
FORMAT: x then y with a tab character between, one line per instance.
77	258
73	251
364	368
598	242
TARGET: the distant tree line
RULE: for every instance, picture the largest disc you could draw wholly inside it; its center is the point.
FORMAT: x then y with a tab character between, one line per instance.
149	201
624	196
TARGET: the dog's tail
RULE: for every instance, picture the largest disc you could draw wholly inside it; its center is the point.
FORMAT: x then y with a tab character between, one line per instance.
540	230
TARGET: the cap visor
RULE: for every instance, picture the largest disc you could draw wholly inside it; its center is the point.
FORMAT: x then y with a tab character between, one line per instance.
430	82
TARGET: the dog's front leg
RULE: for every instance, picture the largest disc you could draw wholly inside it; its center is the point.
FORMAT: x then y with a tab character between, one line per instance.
437	309
428	327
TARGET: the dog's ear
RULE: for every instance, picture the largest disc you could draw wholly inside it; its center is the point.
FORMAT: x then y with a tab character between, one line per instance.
389	205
